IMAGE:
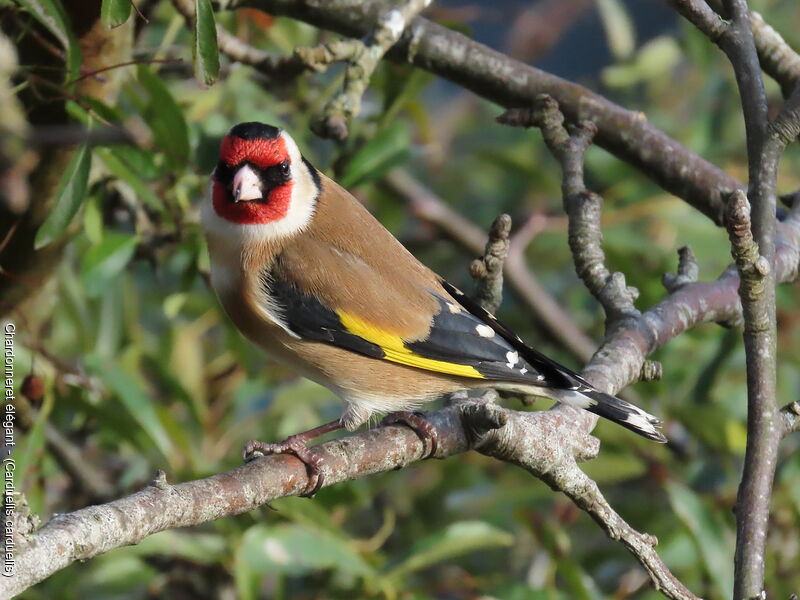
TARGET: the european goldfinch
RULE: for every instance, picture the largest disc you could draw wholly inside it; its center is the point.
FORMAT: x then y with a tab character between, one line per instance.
308	274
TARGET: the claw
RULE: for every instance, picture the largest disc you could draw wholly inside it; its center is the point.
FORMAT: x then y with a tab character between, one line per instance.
296	446
421	426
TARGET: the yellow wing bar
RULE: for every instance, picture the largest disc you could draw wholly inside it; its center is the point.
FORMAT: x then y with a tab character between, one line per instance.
395	350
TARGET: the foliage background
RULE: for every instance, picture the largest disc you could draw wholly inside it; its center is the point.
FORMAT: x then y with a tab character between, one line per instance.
143	371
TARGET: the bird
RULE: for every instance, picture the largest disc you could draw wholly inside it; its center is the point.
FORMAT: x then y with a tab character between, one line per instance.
306	272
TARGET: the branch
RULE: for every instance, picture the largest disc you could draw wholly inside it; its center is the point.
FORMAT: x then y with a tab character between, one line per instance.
777	58
510	83
687	270
425	205
364	58
532	440
753	249
581	206
763	428
791	418
488	269
85	533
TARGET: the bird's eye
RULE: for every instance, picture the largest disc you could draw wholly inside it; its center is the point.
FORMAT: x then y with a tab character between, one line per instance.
280	173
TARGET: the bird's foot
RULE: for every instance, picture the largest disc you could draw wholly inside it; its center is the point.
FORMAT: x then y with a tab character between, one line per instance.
421	426
296	445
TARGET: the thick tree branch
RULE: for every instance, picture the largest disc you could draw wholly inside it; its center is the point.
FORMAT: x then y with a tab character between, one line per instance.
763	429
754	254
510	83
534	441
753	248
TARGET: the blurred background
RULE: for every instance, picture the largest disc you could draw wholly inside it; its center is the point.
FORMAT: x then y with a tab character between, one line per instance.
141	370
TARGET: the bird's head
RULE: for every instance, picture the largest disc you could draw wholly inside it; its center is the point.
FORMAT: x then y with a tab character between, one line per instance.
261	184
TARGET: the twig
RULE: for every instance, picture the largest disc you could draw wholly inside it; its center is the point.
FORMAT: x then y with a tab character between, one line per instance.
488	269
425	205
585	493
778	59
581	205
364	58
702	16
791	418
687	271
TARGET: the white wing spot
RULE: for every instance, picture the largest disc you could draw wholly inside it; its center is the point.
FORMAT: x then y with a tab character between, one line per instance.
484	331
540	377
512	358
523	370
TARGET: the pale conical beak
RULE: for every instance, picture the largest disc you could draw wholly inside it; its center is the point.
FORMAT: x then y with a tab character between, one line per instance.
246	185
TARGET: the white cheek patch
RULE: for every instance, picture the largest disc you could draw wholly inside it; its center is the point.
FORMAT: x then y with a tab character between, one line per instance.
297	217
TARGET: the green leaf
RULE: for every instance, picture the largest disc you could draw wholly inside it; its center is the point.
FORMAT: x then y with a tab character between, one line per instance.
93	219
296	550
709	534
457	539
115	12
50	13
386	150
69	197
165	118
104	262
206	53
196	546
138	404
112	159
618	27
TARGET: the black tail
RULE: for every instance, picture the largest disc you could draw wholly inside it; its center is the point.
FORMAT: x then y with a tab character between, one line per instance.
562	384
623	413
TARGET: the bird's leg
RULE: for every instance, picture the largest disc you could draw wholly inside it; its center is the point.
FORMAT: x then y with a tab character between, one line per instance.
422	427
296	445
